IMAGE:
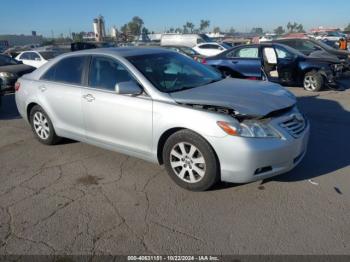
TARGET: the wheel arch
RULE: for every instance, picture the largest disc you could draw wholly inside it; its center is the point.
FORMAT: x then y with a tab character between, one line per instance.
164	137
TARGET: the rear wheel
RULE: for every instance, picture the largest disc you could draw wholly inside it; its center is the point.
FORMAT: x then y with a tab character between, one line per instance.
313	81
42	126
190	161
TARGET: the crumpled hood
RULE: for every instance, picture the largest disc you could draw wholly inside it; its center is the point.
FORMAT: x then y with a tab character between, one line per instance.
324	56
247	97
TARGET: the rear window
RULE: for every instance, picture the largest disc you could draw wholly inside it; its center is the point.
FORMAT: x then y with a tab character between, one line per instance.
68	70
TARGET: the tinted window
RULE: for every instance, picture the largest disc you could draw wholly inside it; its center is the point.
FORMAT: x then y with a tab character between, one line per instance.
68	70
105	73
247	52
35	56
25	56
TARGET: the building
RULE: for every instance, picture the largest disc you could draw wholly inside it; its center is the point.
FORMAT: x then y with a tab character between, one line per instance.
99	28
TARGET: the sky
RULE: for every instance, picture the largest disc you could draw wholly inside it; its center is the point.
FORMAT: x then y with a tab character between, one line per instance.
64	16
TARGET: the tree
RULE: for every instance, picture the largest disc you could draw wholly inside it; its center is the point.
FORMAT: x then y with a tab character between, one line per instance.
171	30
216	30
257	31
231	31
190	26
178	30
124	29
204	24
279	30
145	31
295	28
185	29
135	25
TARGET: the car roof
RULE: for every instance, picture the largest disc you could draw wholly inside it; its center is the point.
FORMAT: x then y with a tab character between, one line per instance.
121	51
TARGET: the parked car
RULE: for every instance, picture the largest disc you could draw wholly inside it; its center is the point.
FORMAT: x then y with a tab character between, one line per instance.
331	36
77	46
278	63
171	110
10	71
35	58
211	49
312	47
187	51
189	40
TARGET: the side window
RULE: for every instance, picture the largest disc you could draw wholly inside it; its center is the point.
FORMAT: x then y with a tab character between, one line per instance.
247	52
25	56
204	47
35	56
68	70
105	73
283	54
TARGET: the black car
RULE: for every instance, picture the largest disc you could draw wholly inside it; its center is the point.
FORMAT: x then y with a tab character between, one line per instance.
10	71
278	63
311	47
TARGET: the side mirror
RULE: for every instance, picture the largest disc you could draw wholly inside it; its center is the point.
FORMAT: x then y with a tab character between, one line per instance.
37	59
128	88
270	55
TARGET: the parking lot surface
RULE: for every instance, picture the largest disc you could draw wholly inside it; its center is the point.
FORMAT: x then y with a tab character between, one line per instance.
78	199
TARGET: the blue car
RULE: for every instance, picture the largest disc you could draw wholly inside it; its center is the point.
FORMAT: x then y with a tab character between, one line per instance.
280	64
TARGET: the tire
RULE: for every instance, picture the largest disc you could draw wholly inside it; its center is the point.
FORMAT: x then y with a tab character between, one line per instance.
190	161
313	81
42	126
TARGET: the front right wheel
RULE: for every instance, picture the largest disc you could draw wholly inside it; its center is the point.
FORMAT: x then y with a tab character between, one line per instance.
313	81
190	161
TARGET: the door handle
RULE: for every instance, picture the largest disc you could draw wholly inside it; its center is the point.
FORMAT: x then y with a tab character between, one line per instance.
235	62
42	88
89	97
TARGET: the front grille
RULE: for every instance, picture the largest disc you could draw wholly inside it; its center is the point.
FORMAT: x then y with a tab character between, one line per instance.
295	125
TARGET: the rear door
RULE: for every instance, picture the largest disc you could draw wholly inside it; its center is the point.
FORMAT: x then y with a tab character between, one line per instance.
246	61
120	122
60	91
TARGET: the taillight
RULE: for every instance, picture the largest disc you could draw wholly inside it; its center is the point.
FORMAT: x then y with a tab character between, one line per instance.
204	61
17	86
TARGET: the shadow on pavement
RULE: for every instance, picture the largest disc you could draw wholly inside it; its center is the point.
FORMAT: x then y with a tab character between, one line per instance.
329	146
8	108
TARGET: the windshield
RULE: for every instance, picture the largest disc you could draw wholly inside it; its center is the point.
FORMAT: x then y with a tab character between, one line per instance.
171	72
323	45
290	50
6	60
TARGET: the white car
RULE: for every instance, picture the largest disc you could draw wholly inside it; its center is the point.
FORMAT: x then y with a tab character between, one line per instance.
211	49
331	36
35	58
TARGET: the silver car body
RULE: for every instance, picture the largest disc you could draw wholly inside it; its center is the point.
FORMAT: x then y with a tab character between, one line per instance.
140	123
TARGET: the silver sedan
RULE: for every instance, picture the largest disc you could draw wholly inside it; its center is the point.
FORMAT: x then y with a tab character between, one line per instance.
163	107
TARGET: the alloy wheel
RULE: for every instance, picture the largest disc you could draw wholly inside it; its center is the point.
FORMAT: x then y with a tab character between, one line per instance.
187	162
41	125
310	83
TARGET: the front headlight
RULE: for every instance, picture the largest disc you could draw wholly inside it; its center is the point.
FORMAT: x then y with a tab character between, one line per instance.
249	128
7	74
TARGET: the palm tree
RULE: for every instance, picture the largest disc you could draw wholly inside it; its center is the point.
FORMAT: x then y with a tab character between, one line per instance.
204	25
190	26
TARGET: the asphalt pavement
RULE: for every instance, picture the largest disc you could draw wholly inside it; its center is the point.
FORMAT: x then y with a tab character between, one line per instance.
74	198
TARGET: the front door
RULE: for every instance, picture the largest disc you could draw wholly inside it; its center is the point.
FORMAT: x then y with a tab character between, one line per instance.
119	122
